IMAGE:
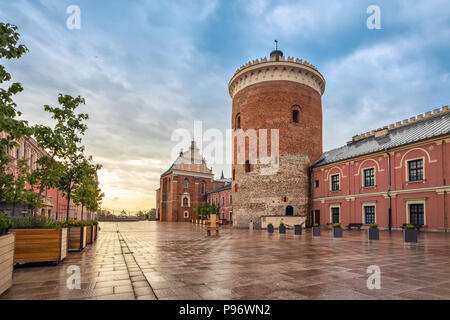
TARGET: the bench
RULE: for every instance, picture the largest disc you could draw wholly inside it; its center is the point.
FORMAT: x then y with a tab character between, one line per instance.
354	225
416	226
212	224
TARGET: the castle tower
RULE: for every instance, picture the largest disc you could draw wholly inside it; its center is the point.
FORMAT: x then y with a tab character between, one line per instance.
285	95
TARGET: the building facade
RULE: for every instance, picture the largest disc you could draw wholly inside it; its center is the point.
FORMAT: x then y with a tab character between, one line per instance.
223	198
184	186
55	204
391	176
277	101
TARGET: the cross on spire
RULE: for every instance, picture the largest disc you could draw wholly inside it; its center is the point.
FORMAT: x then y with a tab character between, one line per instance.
276	44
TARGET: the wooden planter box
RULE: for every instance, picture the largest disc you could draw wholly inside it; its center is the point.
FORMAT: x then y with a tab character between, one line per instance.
94	232
40	245
6	261
77	238
89	232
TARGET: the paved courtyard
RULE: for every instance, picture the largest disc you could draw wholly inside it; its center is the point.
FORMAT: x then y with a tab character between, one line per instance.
153	260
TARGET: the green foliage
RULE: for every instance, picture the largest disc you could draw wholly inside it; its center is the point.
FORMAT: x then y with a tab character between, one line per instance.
62	142
270	224
373	225
152	214
336	225
297	225
12	128
79	223
315	225
409	226
5	224
17	192
35	222
203	210
281	224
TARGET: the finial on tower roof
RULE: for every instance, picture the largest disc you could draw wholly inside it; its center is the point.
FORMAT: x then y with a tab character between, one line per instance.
222	176
276	54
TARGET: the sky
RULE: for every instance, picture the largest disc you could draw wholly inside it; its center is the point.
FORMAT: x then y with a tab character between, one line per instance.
147	68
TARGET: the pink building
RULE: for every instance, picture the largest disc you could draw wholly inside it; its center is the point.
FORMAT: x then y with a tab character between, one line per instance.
223	198
395	175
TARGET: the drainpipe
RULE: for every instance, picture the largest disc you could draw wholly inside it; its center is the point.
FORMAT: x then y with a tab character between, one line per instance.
389	189
311	194
444	182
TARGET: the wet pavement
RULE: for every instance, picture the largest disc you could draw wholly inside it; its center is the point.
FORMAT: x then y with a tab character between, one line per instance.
154	260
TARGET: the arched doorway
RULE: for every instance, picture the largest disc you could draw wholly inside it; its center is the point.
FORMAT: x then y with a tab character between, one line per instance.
289	210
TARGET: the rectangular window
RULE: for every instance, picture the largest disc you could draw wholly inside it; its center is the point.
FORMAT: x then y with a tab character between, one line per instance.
370	214
317	183
369	177
416	214
231	199
223	201
247	166
415	169
335	182
335	215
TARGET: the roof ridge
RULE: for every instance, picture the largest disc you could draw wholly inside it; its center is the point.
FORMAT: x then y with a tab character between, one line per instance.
399	124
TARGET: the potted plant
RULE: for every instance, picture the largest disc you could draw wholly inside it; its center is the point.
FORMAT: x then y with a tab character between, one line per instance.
282	228
270	228
77	234
39	239
410	233
95	229
374	233
316	230
7	242
89	231
337	230
298	229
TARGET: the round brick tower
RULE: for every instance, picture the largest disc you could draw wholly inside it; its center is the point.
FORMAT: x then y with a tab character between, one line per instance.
276	94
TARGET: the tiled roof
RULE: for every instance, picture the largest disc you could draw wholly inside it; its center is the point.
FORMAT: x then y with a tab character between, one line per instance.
225	187
425	128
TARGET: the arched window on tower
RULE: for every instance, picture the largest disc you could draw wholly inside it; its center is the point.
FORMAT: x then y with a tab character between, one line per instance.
186	183
185	202
238	121
295	116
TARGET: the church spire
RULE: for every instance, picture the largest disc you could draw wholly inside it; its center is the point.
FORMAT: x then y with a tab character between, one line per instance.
222	177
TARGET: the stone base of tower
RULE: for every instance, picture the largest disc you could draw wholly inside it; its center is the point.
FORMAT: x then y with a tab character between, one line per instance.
256	195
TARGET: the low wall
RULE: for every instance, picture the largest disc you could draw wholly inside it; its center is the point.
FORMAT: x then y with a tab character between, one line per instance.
289	221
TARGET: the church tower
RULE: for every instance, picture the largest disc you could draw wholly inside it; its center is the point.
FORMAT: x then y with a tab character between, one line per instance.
282	95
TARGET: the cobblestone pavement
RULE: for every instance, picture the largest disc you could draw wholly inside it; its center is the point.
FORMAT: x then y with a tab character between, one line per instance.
154	260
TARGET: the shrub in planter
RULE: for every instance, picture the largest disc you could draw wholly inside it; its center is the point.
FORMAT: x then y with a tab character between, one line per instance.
7	241
282	228
410	233
298	229
337	230
374	233
270	228
316	230
39	239
77	234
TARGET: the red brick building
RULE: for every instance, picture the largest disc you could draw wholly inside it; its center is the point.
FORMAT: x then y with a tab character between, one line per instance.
184	186
222	197
391	176
55	204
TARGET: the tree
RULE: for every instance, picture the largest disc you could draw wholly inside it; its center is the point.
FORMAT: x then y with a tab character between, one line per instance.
76	168
12	128
152	214
61	142
18	194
